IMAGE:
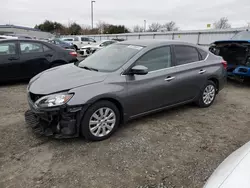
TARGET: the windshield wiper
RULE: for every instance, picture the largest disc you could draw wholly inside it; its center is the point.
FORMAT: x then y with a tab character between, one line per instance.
90	68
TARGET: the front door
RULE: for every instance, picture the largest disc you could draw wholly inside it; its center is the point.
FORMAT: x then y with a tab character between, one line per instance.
9	61
156	89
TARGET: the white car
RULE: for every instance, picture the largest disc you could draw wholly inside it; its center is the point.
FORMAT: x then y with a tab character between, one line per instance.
233	172
78	41
7	37
90	49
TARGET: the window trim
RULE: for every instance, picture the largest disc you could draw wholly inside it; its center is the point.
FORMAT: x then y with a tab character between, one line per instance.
172	60
199	55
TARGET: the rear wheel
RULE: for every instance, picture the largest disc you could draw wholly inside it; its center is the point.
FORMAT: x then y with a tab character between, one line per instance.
100	121
207	95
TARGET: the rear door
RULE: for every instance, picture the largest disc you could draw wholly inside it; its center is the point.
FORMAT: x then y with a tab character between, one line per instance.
9	61
190	70
156	89
35	58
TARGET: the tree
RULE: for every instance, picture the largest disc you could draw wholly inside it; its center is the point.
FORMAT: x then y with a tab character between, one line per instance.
115	29
170	26
102	26
154	27
74	29
52	27
222	24
138	29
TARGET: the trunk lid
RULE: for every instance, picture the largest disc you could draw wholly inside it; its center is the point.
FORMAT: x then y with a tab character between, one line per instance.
235	52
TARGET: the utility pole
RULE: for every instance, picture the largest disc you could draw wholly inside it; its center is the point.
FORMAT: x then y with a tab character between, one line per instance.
145	23
92	15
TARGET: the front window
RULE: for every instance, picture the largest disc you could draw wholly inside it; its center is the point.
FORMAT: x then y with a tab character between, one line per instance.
111	58
244	35
156	59
8	48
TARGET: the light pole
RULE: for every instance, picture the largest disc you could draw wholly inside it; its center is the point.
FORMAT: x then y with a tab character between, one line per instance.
145	22
92	15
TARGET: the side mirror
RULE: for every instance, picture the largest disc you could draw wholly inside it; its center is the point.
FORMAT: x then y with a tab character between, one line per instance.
139	70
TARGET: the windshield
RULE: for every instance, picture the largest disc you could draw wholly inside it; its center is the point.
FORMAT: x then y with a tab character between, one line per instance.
244	35
111	58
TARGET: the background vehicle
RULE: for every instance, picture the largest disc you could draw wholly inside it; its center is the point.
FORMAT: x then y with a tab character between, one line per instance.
233	171
89	49
237	54
21	58
62	44
7	37
121	82
78	41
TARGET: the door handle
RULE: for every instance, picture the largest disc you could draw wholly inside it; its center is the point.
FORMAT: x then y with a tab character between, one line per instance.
202	71
169	78
13	58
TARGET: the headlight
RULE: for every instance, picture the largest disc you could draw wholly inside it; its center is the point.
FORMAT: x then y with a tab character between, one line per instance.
53	100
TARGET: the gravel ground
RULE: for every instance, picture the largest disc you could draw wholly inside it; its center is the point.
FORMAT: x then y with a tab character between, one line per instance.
175	148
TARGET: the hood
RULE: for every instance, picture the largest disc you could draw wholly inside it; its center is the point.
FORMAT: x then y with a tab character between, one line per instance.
231	41
233	171
63	78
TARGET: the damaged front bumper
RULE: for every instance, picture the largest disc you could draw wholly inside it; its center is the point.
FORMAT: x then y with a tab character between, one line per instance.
59	122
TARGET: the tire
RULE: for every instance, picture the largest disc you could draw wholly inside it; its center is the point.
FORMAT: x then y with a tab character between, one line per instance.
102	128
204	102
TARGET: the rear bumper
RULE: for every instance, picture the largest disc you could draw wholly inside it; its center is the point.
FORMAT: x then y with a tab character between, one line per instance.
62	122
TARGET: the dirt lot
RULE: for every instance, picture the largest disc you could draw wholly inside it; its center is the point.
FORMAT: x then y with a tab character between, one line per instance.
176	148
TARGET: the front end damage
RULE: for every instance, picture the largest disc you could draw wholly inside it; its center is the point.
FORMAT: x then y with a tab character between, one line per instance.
237	55
58	122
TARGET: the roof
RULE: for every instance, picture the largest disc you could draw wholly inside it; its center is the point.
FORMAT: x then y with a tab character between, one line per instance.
153	42
19	27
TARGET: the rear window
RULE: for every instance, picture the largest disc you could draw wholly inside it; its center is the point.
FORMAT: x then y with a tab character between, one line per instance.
202	53
186	54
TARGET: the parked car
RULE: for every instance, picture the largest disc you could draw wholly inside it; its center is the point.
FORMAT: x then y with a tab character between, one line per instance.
121	82
92	48
7	37
233	172
62	44
78	41
118	40
22	58
236	52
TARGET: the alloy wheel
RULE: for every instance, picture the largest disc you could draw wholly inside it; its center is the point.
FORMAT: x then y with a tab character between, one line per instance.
102	122
209	94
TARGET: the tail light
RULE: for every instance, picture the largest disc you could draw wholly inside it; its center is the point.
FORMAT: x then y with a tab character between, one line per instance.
73	53
224	63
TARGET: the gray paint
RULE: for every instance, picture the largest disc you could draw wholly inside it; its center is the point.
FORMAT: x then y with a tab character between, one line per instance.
138	94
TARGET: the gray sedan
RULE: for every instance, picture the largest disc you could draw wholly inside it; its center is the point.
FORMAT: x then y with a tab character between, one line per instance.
124	81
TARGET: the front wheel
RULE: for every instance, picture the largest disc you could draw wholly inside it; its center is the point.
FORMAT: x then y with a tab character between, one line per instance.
100	121
207	95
